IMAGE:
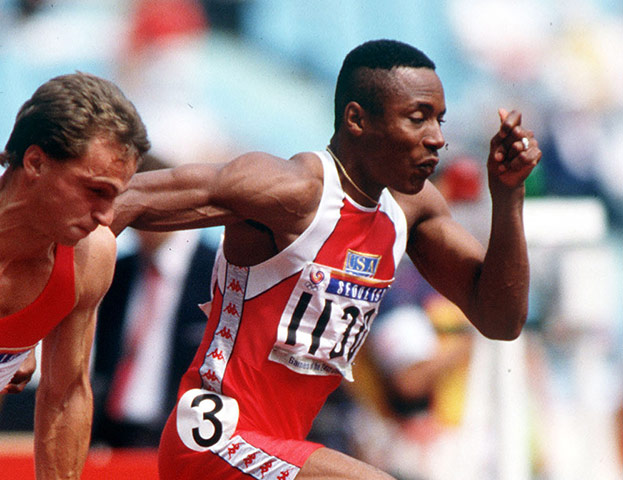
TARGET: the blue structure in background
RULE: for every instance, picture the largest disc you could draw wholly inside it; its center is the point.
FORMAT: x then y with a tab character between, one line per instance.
317	34
272	85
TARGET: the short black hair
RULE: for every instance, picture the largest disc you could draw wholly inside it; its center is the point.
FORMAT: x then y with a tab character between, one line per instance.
364	73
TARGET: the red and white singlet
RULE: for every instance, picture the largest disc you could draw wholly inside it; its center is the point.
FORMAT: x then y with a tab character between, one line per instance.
280	337
20	331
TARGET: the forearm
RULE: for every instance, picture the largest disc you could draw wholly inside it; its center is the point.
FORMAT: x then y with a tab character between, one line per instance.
62	432
503	283
504	280
170	199
169	219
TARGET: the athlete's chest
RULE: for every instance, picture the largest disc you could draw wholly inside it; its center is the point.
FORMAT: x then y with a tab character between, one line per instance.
337	296
362	243
21	283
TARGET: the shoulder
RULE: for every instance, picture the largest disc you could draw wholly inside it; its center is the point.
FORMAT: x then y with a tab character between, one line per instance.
427	204
310	171
302	167
305	183
94	261
305	164
274	191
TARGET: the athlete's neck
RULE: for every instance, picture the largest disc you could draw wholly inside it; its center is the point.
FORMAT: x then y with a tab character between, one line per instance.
348	178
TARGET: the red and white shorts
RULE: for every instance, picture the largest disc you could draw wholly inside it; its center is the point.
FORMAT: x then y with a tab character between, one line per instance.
243	455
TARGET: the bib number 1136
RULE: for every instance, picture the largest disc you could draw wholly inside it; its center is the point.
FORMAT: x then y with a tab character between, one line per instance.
351	315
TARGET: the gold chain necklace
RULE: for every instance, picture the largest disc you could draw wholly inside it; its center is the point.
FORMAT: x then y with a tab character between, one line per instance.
352	182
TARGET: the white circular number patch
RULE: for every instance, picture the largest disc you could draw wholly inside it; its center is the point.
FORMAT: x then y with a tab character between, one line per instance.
206	419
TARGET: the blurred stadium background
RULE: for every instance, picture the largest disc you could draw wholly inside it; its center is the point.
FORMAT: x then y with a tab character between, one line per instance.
215	78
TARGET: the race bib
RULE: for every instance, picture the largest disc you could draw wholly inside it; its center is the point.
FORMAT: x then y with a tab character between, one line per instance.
326	320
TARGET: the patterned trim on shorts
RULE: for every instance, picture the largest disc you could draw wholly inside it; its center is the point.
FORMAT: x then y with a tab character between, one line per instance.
255	462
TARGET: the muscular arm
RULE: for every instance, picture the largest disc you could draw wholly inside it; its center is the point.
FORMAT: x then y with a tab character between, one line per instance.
491	287
171	199
257	186
64	404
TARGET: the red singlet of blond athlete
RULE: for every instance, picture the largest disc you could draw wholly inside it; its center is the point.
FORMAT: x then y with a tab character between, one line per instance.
41	316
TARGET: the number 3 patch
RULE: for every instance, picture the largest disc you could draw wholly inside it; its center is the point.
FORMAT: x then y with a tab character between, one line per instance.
206	419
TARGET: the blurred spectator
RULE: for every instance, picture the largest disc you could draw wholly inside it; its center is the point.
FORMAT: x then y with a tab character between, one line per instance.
225	14
147	334
409	386
158	22
164	66
460	181
28	7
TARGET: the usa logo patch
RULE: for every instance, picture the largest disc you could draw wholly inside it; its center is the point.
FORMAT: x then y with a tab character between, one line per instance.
361	264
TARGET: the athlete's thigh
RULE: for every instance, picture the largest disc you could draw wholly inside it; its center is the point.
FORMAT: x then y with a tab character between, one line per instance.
327	464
